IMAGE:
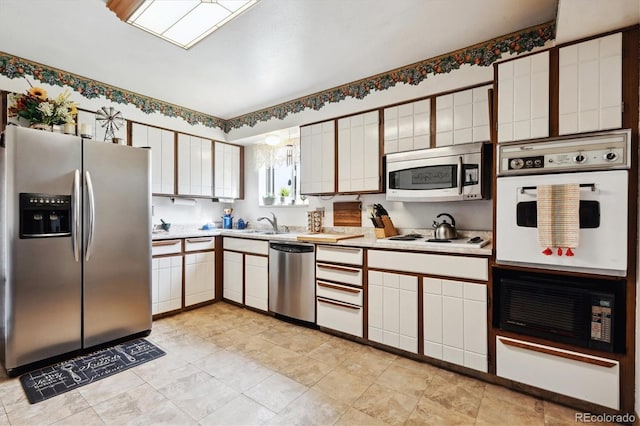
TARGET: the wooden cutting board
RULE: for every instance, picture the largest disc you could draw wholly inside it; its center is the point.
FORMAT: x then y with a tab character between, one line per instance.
327	238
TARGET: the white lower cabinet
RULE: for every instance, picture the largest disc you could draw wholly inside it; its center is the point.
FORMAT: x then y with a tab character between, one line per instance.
246	272
166	290
393	310
199	278
256	285
233	276
455	322
574	374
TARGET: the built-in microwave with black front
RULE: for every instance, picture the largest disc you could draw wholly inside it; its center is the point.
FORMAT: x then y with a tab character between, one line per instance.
584	312
451	173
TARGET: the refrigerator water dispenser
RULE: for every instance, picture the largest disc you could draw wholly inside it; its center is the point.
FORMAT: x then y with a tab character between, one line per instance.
45	215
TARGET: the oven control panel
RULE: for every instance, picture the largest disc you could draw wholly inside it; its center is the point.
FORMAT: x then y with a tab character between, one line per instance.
601	151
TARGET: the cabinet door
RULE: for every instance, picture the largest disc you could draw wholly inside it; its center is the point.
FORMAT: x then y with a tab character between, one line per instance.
523	98
199	281
167	173
162	155
432	317
227	170
358	153
184	164
317	158
391	128
393	310
256	286
195	166
375	296
421	124
306	160
475	318
444	120
233	276
590	92
408	313
463	116
452	322
206	169
481	114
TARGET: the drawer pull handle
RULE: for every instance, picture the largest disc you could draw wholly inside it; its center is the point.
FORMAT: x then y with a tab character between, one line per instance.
338	287
561	354
343	305
339	268
165	243
199	240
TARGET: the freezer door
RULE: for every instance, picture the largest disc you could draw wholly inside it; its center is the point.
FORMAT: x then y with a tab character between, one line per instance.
117	239
42	297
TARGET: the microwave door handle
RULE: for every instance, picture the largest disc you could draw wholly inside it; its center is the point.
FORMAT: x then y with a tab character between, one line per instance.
460	175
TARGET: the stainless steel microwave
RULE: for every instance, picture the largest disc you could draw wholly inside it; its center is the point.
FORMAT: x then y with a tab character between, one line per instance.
450	173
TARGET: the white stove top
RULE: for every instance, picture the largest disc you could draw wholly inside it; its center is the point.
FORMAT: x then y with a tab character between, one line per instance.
422	242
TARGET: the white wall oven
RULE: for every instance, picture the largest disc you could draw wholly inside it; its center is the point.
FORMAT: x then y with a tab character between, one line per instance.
541	182
451	173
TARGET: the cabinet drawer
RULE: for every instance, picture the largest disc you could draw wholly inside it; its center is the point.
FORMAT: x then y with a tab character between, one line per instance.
246	245
165	247
339	254
430	264
200	243
339	316
339	292
569	373
343	274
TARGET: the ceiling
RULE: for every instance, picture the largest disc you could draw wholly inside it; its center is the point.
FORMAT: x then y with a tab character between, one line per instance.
277	51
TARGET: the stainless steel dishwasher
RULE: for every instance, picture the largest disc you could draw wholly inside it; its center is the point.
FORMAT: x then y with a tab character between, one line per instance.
292	289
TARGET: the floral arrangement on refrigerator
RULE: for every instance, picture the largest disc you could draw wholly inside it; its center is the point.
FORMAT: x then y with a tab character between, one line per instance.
35	107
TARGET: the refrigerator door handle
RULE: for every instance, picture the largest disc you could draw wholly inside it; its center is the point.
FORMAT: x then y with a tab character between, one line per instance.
75	224
92	215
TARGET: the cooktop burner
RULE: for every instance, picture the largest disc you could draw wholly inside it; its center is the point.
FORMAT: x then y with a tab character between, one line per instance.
407	237
420	240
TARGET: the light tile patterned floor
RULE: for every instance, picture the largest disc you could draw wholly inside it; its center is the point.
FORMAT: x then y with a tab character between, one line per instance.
230	366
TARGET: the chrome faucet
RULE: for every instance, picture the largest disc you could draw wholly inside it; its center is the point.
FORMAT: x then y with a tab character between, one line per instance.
274	222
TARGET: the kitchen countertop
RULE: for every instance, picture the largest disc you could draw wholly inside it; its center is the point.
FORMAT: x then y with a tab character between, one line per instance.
368	241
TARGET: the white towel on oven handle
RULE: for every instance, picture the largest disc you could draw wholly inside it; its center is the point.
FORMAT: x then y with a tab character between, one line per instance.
558	217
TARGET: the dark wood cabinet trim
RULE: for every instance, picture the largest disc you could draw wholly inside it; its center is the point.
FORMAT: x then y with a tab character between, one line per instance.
338	268
341	304
338	287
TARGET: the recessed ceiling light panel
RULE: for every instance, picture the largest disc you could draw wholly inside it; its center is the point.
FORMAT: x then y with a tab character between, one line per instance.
181	22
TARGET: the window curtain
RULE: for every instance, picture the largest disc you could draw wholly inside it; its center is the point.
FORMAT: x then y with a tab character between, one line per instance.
285	154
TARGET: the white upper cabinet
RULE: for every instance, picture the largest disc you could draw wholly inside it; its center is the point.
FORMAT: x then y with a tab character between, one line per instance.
523	98
463	117
317	158
407	127
590	88
162	155
194	166
359	153
226	171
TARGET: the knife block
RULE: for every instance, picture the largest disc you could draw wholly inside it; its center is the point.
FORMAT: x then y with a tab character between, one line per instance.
388	231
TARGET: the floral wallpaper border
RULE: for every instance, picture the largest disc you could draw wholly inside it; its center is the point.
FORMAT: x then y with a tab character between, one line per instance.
483	54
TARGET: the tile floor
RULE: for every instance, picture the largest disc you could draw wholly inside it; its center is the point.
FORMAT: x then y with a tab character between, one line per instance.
231	366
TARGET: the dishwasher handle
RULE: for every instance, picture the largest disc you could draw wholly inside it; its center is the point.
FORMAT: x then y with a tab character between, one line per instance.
292	247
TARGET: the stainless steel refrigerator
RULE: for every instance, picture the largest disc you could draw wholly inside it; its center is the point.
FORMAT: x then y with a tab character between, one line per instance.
75	218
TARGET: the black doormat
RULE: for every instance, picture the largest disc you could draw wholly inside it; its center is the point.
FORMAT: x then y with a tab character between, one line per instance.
59	378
